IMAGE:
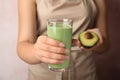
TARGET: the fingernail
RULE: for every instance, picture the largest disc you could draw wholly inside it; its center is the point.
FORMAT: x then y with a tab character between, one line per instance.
67	51
61	61
66	57
61	45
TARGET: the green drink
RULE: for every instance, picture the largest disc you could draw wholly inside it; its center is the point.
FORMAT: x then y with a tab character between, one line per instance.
60	30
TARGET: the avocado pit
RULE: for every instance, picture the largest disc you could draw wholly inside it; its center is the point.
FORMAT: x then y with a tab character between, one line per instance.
88	35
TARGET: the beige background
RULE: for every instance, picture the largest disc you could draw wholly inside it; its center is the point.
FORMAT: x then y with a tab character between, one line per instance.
11	67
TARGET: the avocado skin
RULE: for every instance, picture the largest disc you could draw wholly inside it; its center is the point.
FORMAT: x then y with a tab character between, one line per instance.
88	43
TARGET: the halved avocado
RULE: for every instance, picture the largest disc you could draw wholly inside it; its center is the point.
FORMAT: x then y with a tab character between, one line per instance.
88	39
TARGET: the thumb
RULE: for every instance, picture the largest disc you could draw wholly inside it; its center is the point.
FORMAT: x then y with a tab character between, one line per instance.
75	42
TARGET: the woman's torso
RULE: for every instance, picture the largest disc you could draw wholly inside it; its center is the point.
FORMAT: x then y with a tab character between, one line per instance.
83	13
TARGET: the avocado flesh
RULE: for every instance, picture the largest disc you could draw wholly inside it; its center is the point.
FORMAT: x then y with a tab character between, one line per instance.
88	42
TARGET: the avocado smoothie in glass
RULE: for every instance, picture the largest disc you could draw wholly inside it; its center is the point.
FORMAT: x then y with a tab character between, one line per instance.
61	30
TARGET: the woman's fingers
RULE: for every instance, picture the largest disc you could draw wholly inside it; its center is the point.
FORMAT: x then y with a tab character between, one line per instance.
75	42
50	41
53	49
50	51
51	61
50	55
50	45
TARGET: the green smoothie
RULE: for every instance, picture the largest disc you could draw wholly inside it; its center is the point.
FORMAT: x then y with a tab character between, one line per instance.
63	33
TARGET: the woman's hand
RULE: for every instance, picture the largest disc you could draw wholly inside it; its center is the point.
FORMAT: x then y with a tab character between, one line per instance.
77	42
50	51
100	42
